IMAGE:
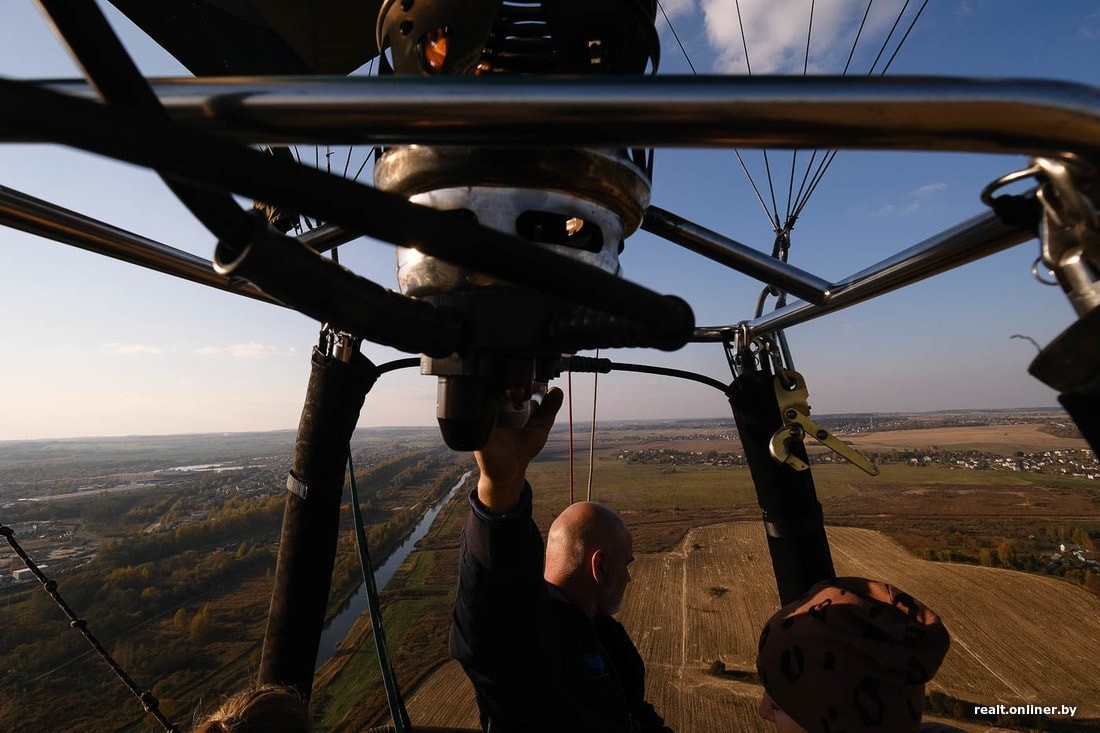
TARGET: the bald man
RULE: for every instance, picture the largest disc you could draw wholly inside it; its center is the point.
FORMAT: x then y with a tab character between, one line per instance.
535	634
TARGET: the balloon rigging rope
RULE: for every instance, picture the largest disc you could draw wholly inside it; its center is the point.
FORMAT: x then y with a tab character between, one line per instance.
592	432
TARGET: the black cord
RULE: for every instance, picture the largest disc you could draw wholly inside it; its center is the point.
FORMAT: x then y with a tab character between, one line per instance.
148	700
146	139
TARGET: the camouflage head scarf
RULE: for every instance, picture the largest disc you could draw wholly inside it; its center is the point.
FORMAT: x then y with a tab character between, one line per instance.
852	655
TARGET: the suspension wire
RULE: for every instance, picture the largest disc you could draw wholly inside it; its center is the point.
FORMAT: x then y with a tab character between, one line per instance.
825	163
569	385
677	37
592	432
351	148
794	155
810	165
889	35
904	37
805	177
398	714
826	160
767	165
308	222
767	214
736	152
859	33
744	43
364	163
829	157
146	697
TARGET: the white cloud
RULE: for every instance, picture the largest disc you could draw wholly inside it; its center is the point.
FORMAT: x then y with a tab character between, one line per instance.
895	210
775	33
675	8
130	349
250	350
928	190
912	203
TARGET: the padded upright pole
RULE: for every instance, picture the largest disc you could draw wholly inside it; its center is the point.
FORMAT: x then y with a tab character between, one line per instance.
311	518
1071	365
792	514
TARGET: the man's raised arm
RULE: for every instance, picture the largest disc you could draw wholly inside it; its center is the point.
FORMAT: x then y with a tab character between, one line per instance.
503	460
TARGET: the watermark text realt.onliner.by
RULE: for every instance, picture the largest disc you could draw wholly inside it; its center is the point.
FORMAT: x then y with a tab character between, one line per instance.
1069	710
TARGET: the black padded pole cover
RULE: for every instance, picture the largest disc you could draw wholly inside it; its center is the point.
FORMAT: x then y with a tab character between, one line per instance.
1071	365
792	514
1083	405
311	518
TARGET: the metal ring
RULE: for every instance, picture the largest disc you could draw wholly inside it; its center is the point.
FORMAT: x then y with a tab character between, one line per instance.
1035	273
988	191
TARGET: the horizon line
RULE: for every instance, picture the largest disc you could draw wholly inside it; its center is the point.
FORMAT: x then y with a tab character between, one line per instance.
559	427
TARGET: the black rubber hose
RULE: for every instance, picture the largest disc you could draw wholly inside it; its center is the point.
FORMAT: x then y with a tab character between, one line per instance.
148	140
606	366
112	72
290	272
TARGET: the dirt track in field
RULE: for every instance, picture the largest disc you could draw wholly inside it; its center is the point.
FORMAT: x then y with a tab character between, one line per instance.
1017	638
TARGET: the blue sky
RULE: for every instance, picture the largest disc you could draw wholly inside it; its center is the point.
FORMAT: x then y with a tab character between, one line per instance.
97	347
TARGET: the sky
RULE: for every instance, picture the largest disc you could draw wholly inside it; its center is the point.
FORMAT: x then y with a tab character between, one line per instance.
97	347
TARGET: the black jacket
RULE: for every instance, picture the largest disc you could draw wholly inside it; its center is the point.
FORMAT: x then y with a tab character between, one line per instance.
536	660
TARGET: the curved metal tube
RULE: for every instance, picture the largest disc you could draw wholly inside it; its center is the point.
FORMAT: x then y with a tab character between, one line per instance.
35	216
888	113
970	240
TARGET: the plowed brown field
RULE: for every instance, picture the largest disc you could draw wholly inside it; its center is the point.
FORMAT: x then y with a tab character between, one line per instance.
1017	638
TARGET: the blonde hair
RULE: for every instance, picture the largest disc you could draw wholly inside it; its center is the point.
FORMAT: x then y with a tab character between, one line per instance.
264	709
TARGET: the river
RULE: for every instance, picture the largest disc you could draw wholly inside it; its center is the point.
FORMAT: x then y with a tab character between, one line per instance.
341	624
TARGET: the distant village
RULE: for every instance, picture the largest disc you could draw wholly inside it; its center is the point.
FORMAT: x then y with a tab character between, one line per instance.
1071	463
60	546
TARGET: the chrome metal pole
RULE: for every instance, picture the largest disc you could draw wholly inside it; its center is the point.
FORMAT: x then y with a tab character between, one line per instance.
733	254
326	237
896	113
35	216
970	240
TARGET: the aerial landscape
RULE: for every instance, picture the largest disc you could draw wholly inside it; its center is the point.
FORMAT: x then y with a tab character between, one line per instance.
165	545
212	208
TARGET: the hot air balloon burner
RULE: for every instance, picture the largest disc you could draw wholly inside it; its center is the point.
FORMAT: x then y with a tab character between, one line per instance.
576	202
579	203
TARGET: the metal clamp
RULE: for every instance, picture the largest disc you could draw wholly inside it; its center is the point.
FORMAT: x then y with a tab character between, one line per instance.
1069	227
795	409
336	344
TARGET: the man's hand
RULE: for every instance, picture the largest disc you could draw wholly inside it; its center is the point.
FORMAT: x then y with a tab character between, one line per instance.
504	458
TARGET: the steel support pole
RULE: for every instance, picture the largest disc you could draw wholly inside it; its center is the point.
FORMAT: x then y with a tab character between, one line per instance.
311	518
793	519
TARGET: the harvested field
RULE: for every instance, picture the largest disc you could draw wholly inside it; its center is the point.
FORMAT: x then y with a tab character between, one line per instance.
446	699
1003	439
1017	638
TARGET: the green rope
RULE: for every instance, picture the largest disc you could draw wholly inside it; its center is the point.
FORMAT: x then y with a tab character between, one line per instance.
398	713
